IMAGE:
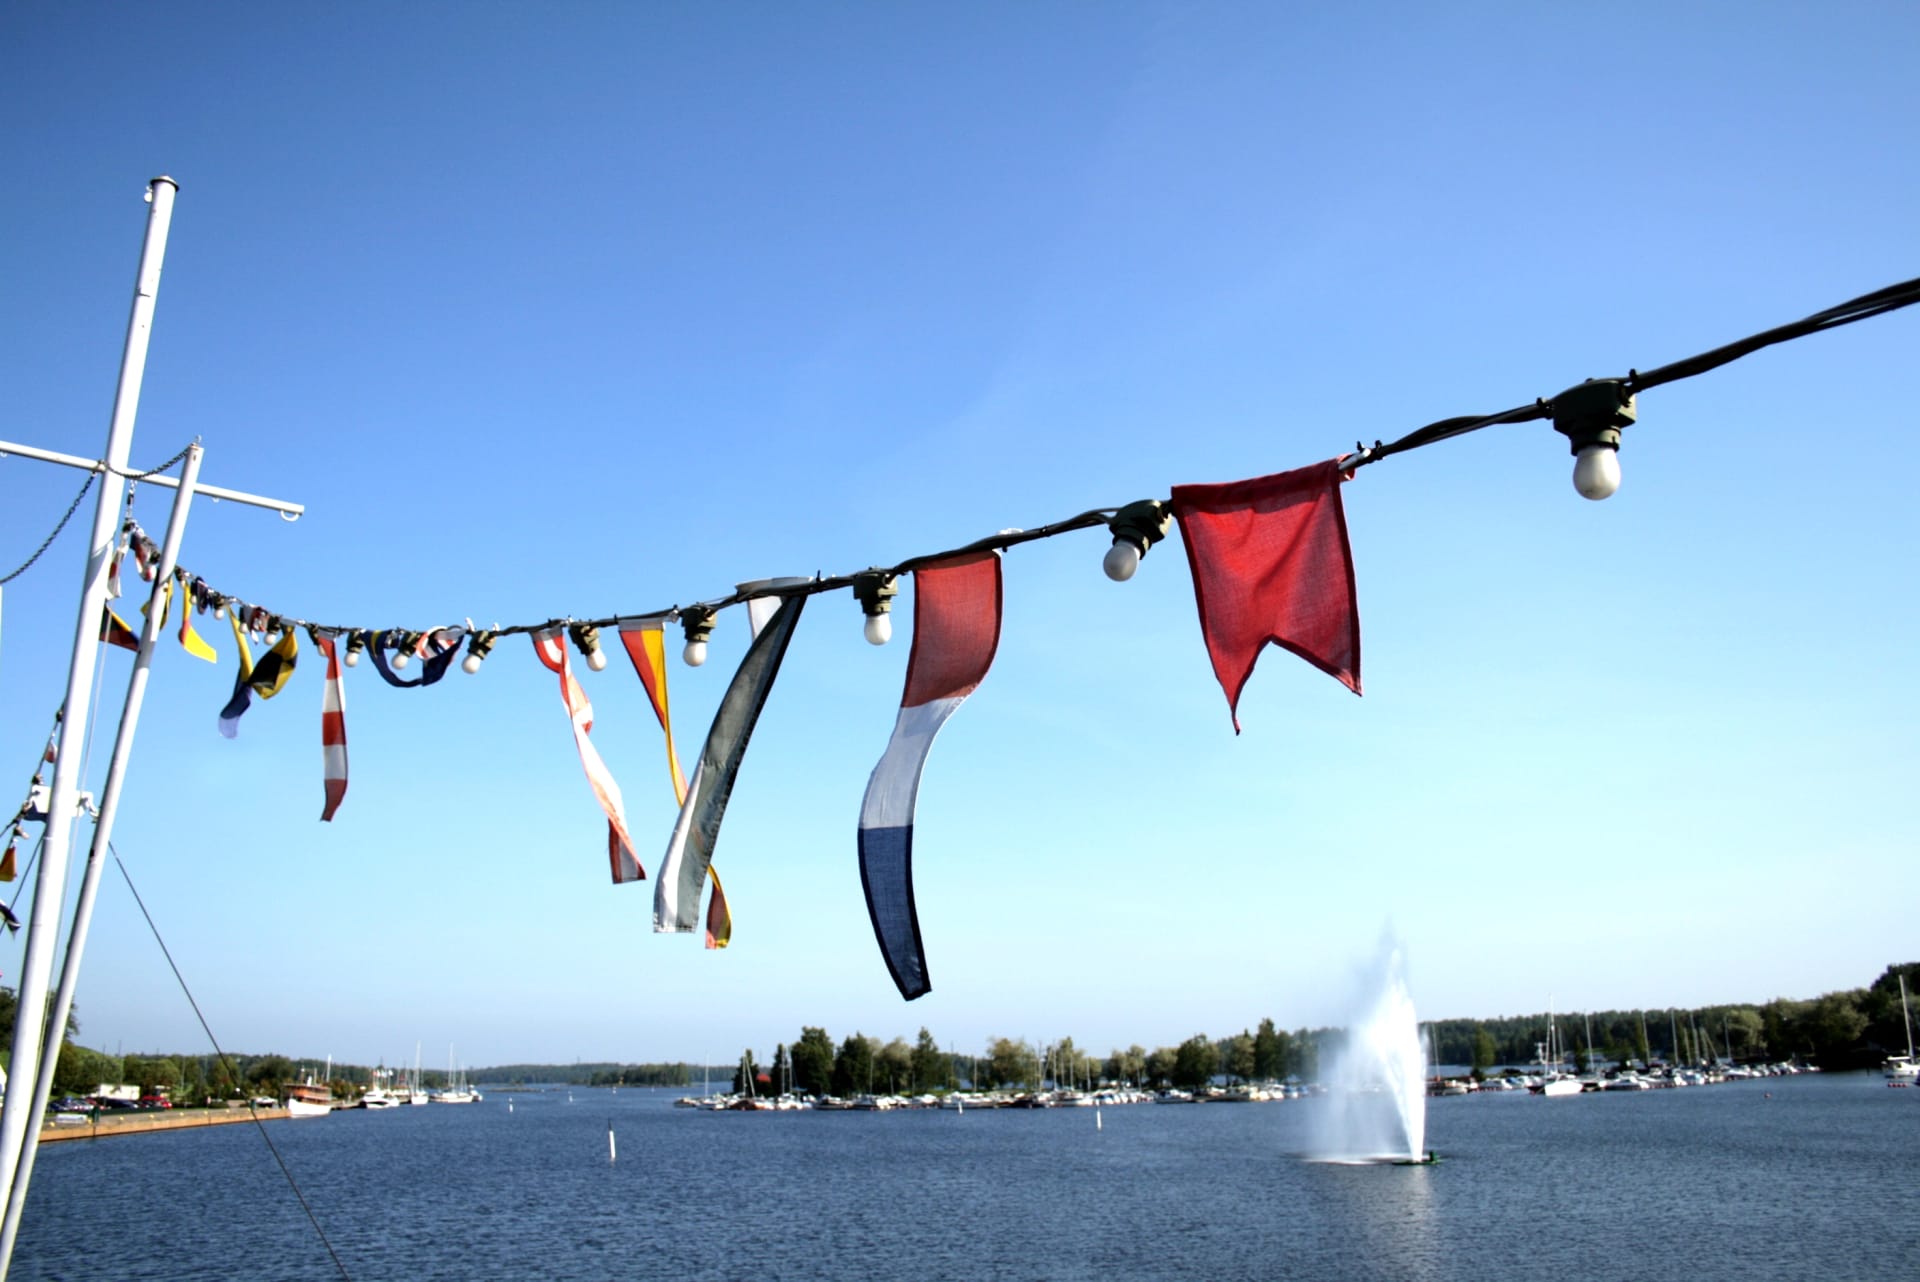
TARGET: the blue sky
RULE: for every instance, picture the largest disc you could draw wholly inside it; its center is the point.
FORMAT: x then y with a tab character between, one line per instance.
588	309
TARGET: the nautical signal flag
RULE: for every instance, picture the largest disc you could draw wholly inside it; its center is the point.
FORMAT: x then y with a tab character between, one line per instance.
689	858
551	646
956	630
190	641
266	678
645	643
333	728
1271	563
114	630
436	649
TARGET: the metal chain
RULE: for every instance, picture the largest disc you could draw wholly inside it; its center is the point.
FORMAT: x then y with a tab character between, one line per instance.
75	506
152	471
48	541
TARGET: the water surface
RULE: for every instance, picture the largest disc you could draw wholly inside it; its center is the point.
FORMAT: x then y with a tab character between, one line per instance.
1790	1178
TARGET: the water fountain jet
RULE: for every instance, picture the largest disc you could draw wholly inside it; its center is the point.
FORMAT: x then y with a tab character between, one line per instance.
1376	1106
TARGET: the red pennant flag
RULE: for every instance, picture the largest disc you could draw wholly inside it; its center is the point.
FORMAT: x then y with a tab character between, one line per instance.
1271	562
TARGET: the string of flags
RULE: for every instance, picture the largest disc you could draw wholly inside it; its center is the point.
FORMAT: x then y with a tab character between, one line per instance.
1271	565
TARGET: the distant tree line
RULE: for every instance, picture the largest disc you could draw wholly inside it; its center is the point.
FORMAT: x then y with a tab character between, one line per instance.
1855	1028
603	1074
815	1065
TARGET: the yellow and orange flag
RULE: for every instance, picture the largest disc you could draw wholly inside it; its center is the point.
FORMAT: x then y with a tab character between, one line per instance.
645	642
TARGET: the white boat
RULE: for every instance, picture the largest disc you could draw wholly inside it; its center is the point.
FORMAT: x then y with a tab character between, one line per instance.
1901	1070
1554	1080
377	1095
310	1098
456	1090
415	1093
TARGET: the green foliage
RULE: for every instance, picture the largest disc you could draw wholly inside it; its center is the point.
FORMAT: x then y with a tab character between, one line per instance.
932	1067
1009	1063
746	1075
1238	1058
1483	1052
1854	1028
853	1066
1067	1065
1129	1065
9	1009
1306	1056
600	1073
1160	1067
81	1071
780	1074
893	1067
158	1075
1269	1052
269	1073
1194	1062
813	1062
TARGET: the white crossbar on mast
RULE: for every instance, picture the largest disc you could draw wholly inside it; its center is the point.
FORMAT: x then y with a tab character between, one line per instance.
36	1039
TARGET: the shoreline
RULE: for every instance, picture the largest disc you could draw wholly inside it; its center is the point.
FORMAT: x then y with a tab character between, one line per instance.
138	1123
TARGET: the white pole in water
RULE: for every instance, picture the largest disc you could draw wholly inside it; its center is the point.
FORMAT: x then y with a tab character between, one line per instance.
50	893
611	1152
1096	1117
102	837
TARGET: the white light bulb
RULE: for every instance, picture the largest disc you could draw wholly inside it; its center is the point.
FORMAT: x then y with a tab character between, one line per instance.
1596	473
353	658
597	660
470	664
879	629
400	658
1123	558
695	654
220	611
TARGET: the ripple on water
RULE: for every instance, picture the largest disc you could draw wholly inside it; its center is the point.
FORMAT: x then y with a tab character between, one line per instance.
1718	1183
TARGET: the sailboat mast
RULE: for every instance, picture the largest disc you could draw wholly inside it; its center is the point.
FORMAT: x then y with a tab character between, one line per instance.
1907	1023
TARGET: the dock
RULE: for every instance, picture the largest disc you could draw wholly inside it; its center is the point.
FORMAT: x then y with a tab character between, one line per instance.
128	1122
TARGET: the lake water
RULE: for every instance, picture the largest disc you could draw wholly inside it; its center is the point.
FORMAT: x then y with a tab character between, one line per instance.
1785	1178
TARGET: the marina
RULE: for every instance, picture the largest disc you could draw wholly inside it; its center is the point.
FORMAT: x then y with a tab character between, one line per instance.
1786	1178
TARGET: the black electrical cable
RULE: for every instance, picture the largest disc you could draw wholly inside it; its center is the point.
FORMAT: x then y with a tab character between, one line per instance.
233	1071
1877	303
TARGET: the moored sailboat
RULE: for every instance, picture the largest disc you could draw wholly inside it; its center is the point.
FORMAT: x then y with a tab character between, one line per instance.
1901	1070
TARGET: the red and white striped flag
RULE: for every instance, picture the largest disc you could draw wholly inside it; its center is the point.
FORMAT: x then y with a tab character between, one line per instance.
551	646
333	727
